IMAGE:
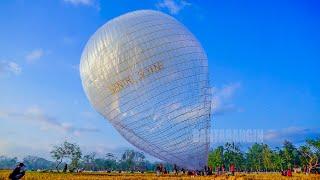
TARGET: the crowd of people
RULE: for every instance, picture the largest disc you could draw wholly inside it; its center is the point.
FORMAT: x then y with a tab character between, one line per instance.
160	169
19	171
207	171
286	172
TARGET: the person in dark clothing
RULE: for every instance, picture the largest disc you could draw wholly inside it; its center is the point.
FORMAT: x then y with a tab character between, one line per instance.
18	172
65	168
165	170
158	170
183	171
210	171
175	169
190	173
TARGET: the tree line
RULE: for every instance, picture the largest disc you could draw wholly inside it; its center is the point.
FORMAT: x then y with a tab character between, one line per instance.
261	157
33	162
258	158
71	155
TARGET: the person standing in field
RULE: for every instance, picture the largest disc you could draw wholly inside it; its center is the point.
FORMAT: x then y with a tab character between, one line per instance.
18	172
223	169
289	172
175	169
158	170
65	168
232	169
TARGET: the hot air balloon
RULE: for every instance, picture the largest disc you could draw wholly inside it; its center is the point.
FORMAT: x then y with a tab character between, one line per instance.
147	75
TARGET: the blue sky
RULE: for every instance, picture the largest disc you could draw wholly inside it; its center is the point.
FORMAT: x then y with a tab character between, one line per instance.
264	59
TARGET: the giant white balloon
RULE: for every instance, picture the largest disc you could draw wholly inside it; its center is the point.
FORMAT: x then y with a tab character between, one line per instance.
148	76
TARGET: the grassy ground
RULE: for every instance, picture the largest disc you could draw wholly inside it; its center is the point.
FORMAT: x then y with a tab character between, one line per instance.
95	176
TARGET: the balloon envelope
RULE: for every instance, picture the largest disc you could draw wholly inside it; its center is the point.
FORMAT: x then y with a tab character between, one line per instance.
148	76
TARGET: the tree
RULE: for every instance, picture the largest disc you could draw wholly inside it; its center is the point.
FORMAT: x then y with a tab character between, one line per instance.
254	157
111	161
267	157
99	164
277	160
111	156
315	144
233	155
131	160
215	158
67	151
310	153
289	154
150	166
34	162
8	163
89	161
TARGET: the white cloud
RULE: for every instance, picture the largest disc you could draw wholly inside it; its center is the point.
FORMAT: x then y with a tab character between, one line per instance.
9	67
34	55
89	3
174	6
294	134
221	99
22	149
14	67
46	122
81	2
